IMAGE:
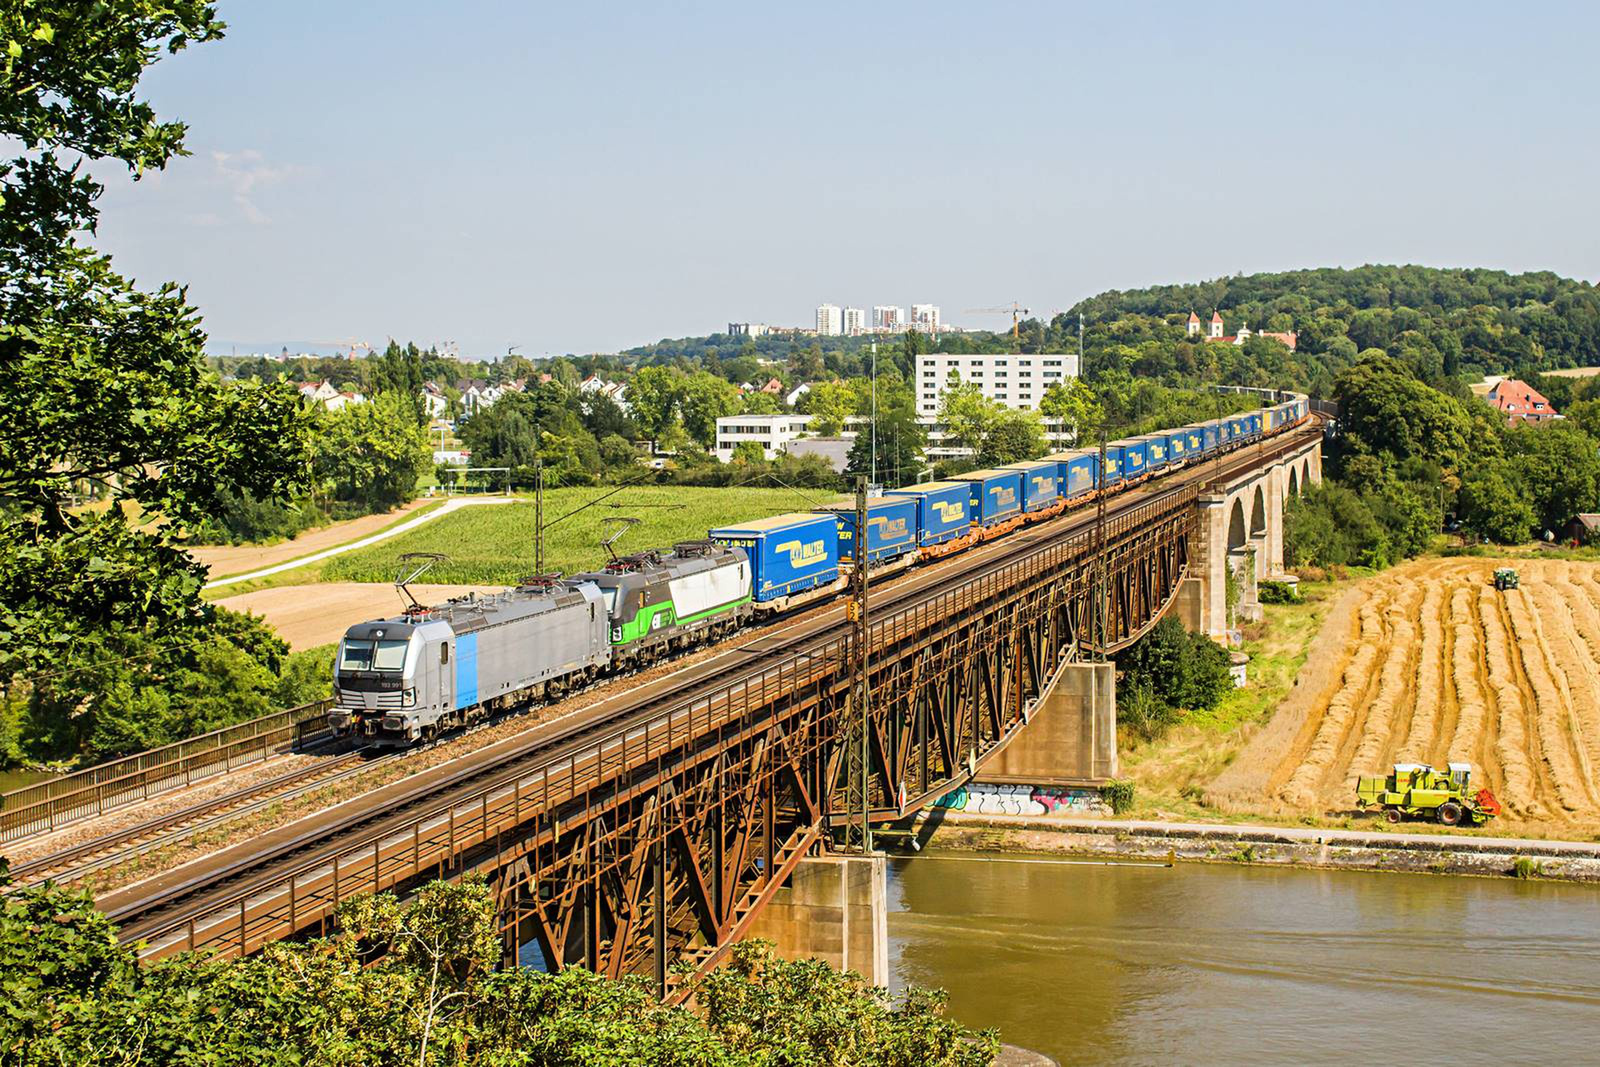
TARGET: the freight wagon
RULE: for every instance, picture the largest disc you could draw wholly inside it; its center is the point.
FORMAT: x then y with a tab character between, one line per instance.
944	515
891	529
1041	484
1135	458
1077	472
1155	452
793	558
996	498
1111	476
1178	448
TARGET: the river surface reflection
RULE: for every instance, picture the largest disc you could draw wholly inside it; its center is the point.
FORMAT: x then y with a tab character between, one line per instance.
1197	963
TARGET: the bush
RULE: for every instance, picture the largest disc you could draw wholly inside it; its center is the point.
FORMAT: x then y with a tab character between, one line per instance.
1270	592
1143	714
1176	668
1119	794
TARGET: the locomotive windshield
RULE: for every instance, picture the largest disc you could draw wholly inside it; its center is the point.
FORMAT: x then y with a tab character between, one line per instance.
373	655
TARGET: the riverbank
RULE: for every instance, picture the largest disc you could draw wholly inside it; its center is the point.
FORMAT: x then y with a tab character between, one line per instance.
1484	856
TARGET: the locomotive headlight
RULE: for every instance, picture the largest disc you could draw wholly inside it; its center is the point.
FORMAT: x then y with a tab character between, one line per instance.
408	698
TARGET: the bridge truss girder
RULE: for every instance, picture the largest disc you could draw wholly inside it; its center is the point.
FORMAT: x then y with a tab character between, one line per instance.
668	856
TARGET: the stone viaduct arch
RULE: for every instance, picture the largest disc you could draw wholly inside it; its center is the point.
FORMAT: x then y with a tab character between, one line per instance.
1241	527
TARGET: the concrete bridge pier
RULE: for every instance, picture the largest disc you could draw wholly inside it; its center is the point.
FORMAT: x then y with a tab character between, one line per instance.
835	909
1071	737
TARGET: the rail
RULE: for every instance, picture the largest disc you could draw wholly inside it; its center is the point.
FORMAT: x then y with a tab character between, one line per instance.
47	806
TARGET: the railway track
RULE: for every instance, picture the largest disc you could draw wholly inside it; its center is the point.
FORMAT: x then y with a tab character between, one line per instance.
97	854
160	904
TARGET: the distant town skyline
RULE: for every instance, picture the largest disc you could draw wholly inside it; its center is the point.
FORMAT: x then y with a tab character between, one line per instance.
558	181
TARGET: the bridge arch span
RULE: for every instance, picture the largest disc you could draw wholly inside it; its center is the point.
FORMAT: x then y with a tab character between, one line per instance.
1241	527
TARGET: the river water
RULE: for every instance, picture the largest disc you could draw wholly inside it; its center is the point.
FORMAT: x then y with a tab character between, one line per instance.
1097	964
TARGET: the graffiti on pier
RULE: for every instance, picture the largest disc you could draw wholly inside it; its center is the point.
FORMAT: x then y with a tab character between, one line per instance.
984	799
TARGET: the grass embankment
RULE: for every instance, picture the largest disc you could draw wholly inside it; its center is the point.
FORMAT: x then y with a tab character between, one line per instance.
1171	773
494	545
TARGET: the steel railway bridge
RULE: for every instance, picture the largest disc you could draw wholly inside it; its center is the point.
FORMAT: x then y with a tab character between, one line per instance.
654	826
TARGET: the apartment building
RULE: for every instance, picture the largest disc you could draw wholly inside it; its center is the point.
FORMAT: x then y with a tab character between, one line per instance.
830	320
1017	381
772	432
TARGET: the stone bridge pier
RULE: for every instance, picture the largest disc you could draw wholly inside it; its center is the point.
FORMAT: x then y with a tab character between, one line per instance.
1240	530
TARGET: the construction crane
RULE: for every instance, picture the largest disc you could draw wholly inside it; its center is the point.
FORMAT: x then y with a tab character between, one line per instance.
1015	310
353	345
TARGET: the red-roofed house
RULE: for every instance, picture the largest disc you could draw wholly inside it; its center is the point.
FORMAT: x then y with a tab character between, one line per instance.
1521	402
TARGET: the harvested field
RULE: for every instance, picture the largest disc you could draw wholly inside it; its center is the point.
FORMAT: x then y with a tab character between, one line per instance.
1428	663
307	616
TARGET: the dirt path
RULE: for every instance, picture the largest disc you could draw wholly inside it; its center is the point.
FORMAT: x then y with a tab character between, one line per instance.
1434	666
310	615
225	560
405	525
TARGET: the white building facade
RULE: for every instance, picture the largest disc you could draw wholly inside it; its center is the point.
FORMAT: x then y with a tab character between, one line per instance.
855	322
772	432
888	317
1016	381
830	321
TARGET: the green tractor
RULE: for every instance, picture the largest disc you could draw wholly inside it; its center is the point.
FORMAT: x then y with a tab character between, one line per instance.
1416	790
1505	578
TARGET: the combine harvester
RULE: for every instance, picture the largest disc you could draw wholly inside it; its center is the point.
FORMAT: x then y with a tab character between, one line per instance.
1416	790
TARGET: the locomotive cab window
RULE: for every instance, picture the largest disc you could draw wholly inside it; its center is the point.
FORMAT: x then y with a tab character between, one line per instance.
356	656
390	655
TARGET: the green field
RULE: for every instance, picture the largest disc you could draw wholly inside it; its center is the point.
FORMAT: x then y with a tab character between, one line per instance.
493	545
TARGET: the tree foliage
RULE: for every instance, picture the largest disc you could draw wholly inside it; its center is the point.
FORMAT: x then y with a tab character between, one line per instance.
76	995
105	386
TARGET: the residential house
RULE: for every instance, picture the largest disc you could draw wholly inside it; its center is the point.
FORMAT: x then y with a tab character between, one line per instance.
326	395
434	401
343	400
1520	402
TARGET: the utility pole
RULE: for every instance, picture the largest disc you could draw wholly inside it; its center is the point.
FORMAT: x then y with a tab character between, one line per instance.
538	515
874	413
1101	593
858	828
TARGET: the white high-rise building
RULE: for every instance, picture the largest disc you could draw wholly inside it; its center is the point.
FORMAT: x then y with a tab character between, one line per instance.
887	317
855	321
829	321
925	317
1017	381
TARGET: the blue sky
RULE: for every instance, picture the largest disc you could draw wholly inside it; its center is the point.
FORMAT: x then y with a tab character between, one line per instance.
587	177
